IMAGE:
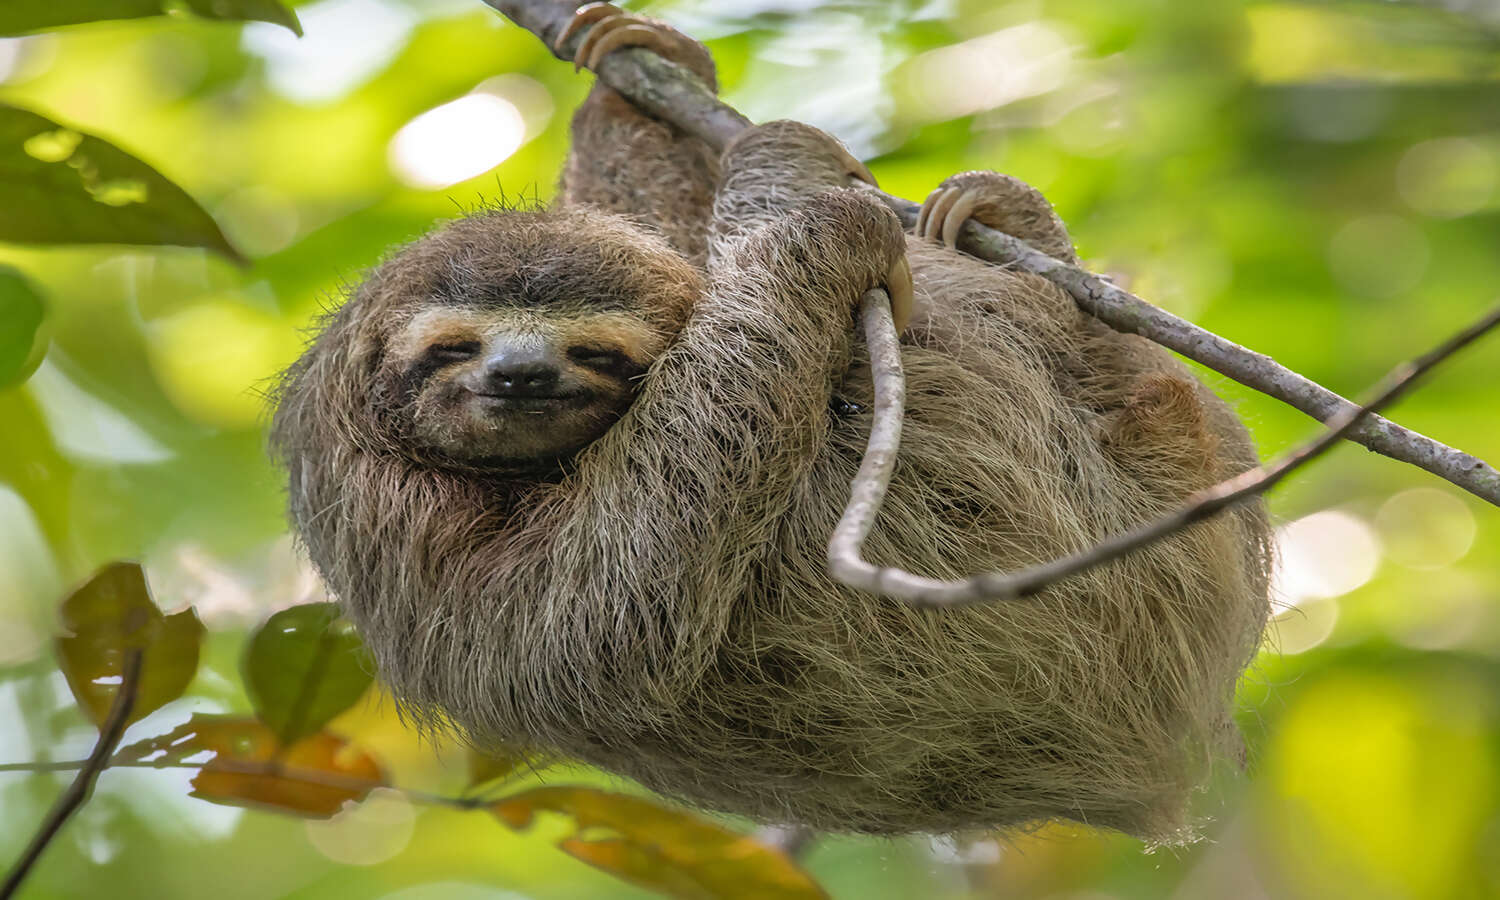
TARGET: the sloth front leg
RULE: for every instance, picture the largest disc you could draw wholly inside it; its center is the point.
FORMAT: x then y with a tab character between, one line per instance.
1002	202
701	471
779	167
626	162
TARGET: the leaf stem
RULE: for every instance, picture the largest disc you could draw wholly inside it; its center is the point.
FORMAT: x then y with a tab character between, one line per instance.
88	772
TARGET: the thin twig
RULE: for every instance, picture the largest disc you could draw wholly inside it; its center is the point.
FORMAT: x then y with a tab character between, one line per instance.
869	486
267	768
675	95
791	840
83	783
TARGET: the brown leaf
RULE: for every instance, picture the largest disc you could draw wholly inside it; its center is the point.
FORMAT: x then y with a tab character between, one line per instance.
110	614
661	848
313	777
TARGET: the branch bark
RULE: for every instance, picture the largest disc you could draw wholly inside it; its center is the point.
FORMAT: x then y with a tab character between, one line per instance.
673	94
869	485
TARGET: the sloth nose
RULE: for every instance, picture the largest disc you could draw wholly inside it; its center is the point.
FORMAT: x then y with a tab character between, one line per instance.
521	372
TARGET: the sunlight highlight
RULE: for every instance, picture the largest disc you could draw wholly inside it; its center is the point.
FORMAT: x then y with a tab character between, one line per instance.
344	43
366	833
989	71
457	141
1326	554
1426	528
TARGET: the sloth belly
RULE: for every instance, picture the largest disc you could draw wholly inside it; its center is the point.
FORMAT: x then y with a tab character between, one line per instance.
1098	700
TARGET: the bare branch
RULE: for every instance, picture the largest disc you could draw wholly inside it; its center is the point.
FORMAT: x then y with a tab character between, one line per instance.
869	486
83	783
675	95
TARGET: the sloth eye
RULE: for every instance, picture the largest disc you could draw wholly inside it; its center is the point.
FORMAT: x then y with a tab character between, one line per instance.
454	352
599	358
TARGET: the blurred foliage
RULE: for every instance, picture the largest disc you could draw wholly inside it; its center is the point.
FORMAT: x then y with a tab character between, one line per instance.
111	615
303	667
21	314
1315	180
661	848
22	16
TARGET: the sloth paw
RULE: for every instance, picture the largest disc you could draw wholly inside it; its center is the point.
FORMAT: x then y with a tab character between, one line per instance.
614	29
1000	201
851	164
800	149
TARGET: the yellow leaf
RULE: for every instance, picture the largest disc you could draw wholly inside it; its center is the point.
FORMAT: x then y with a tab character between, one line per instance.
312	777
661	848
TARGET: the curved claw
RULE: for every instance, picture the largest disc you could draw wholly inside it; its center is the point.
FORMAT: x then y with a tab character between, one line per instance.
611	35
585	15
935	212
898	285
957	215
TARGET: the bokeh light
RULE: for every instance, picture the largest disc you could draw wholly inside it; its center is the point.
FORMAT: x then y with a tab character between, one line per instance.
1426	528
988	71
1448	177
1300	628
366	833
457	141
1379	255
343	43
1326	554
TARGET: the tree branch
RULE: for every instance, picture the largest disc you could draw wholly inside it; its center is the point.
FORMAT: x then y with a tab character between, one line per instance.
83	783
673	94
869	486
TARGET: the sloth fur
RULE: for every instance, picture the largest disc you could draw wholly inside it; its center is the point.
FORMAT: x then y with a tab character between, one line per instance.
659	605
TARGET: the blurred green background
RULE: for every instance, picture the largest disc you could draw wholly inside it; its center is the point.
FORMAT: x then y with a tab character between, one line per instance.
1316	180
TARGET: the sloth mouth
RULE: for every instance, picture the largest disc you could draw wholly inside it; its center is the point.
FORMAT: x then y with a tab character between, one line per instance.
529	402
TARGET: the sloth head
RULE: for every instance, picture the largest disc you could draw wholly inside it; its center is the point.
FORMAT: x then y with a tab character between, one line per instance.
505	341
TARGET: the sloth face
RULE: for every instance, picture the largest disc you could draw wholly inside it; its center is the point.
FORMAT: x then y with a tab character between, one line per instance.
507	385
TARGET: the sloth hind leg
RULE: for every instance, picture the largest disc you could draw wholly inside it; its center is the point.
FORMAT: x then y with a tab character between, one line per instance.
1165	434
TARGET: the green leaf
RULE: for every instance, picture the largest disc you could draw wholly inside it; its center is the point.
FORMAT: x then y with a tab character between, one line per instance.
313	777
113	613
60	186
23	16
303	667
21	314
254	10
662	848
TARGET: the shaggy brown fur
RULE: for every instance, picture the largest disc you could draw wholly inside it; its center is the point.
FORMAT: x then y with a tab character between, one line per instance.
659	605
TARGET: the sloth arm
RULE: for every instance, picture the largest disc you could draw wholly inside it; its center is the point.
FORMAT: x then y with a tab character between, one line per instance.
626	162
693	479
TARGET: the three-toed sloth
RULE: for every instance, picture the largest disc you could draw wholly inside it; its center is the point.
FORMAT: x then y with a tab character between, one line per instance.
572	472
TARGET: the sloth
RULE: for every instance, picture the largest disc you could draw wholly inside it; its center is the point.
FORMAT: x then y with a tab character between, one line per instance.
571	472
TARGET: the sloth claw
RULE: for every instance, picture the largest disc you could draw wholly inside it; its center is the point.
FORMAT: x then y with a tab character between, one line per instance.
1001	202
585	15
944	213
612	29
898	285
